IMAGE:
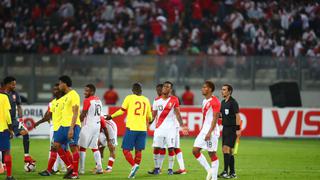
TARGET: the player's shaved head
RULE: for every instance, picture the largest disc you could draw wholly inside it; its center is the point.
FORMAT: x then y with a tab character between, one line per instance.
137	88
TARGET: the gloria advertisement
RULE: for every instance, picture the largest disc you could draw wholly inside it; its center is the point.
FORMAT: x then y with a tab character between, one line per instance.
257	122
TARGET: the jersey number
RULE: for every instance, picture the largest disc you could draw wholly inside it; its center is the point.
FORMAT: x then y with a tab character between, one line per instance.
97	111
136	112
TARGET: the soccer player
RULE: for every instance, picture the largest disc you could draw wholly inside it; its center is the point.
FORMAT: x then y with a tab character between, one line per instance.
138	110
177	150
52	115
231	129
6	132
209	134
9	86
108	137
166	110
89	135
69	130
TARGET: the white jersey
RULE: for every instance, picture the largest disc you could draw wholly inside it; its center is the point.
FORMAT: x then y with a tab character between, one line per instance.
93	105
166	118
210	106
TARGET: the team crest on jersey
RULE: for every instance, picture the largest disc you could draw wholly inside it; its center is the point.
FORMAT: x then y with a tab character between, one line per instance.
160	108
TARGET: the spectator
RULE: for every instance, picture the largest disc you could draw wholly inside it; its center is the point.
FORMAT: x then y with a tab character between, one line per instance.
111	96
188	96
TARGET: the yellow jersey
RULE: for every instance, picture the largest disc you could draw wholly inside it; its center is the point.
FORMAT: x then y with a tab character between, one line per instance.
67	101
55	114
138	112
5	107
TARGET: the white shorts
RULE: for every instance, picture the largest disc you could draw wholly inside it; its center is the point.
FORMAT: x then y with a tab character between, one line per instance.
113	135
211	145
164	139
89	137
177	143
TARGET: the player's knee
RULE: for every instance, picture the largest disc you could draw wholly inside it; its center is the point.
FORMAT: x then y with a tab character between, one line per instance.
225	149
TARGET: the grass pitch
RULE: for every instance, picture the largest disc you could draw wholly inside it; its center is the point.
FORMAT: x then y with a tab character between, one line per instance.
257	159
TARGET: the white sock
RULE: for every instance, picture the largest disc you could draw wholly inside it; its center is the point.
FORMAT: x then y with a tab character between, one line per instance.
97	158
171	161
215	168
160	160
82	160
1	157
204	163
180	160
156	160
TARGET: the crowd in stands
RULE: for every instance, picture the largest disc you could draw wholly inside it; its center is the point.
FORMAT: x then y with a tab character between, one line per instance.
281	28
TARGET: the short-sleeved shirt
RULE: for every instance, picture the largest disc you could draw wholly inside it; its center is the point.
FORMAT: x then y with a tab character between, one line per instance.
138	112
15	100
67	101
5	107
166	118
229	110
93	105
209	107
55	113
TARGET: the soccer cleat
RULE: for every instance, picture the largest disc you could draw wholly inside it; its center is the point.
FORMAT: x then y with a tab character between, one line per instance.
99	171
209	175
233	176
155	171
224	174
170	172
180	171
108	170
55	172
133	171
10	178
68	173
81	171
45	173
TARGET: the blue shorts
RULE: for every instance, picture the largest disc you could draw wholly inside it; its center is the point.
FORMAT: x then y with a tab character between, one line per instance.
5	140
134	139
63	146
61	136
16	128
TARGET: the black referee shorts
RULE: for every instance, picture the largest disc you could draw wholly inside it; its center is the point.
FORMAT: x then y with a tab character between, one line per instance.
229	136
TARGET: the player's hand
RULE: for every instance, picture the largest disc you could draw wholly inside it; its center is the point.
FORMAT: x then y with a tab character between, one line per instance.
185	130
70	133
238	132
108	117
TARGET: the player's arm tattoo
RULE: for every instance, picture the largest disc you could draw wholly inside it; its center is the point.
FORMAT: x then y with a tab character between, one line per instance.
83	115
75	110
178	115
19	108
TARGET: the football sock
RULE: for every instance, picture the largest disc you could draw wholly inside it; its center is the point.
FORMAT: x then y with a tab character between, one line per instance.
8	162
180	158
215	166
127	154
26	143
138	157
110	162
52	160
203	161
226	158
171	159
97	158
156	155
64	158
76	157
232	170
161	157
82	158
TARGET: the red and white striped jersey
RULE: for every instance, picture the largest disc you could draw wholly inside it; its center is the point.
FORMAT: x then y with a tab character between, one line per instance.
210	106
93	105
166	117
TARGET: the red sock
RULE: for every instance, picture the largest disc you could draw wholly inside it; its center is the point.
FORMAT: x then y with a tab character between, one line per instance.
171	153
197	155
8	162
93	150
64	158
162	151
214	158
127	154
110	162
75	163
52	160
156	151
68	155
177	150
138	157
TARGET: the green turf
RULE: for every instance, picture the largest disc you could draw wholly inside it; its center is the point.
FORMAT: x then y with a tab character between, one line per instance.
257	159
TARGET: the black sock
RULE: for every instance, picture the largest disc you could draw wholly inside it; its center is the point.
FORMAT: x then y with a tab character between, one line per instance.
232	171
2	157
226	158
26	143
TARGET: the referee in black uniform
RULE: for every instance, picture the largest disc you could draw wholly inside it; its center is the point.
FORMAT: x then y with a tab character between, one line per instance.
231	129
